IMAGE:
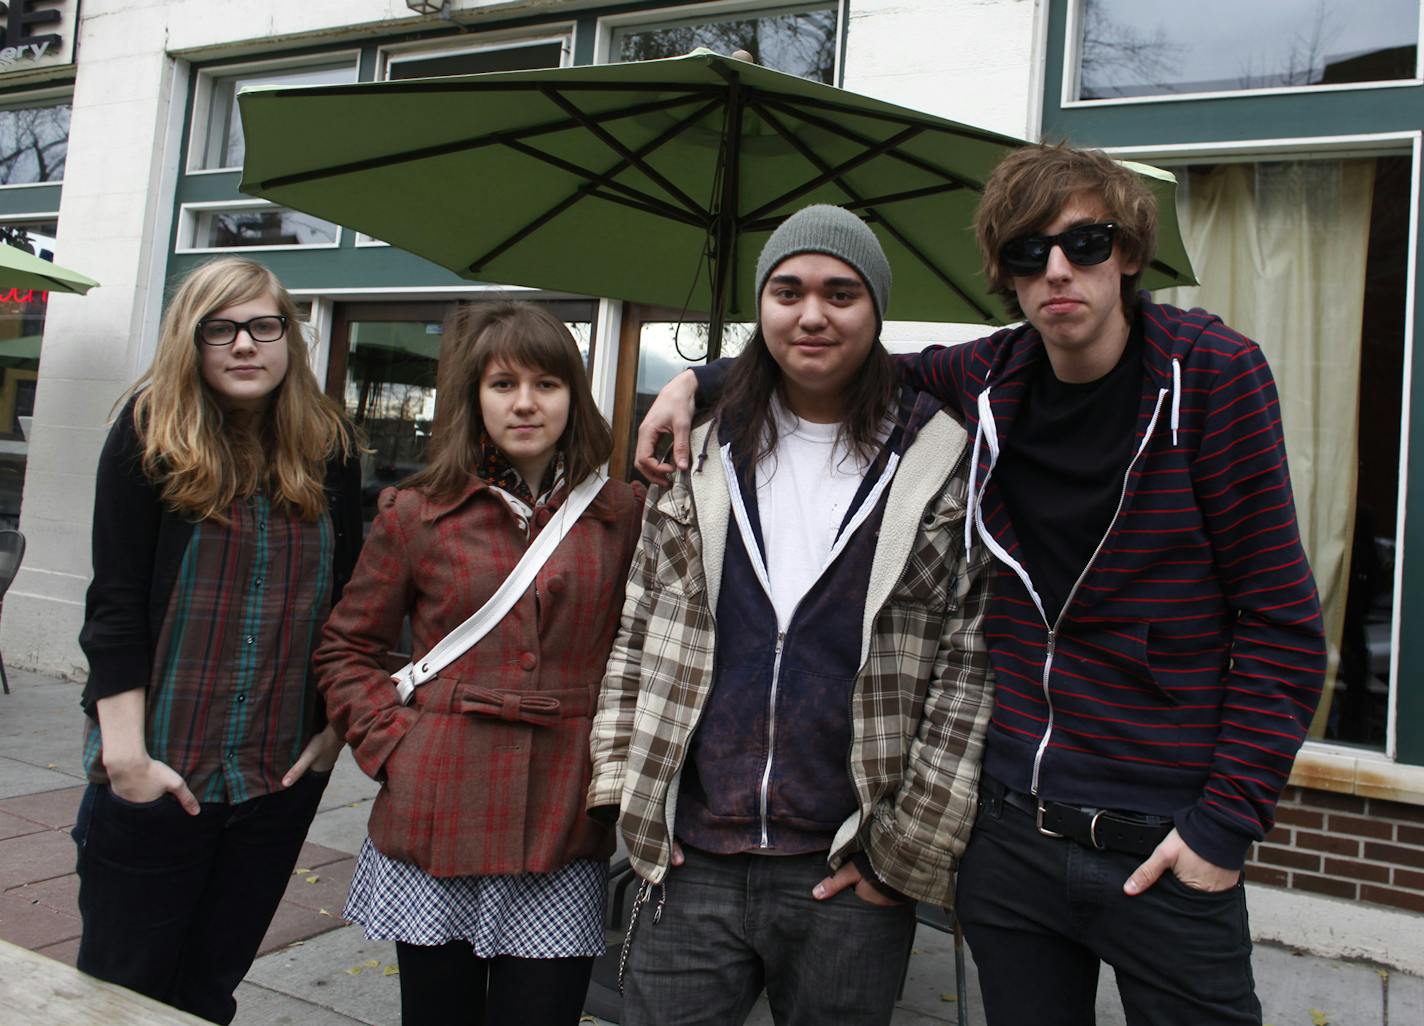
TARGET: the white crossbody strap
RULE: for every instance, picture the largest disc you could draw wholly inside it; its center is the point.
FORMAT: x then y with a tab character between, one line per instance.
467	635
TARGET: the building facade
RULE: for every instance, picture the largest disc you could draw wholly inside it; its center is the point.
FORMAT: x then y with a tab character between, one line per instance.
1296	139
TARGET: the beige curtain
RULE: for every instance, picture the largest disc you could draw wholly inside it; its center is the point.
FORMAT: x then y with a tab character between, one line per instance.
1280	249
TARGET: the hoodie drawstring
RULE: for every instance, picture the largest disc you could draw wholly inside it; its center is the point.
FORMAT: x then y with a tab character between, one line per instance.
1176	397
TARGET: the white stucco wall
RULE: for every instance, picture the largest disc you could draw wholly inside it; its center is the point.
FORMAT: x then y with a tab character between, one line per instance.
968	60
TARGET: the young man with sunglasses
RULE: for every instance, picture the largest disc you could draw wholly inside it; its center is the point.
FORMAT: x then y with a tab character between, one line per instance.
1155	629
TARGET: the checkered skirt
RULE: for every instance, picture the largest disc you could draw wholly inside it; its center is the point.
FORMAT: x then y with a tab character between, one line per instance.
533	915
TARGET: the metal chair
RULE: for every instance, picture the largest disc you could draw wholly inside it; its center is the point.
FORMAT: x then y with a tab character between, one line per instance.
12	552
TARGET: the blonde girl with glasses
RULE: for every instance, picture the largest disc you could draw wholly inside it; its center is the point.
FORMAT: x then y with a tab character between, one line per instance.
226	521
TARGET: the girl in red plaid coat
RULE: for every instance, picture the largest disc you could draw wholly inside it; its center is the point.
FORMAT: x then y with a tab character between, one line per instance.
481	863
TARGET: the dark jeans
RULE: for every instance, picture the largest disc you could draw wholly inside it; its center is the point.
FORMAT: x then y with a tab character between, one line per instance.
175	906
446	985
1040	912
733	924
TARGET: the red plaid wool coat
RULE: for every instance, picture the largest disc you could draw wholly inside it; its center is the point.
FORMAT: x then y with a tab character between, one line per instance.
485	771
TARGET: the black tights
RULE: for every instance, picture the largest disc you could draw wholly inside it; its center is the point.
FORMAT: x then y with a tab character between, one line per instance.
446	985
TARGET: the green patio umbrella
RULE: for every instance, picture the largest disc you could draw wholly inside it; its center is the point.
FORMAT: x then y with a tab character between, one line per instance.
21	270
654	181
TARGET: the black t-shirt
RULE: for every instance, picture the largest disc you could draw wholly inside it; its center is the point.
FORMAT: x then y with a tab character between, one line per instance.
1062	466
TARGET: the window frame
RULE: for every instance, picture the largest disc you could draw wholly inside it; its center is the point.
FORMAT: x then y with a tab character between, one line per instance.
29	99
1072	47
564	33
188	221
712	10
207	77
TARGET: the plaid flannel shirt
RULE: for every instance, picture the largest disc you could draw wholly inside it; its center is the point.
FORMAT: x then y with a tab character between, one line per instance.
921	700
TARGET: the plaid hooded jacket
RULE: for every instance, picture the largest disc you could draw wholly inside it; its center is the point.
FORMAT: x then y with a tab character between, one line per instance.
921	700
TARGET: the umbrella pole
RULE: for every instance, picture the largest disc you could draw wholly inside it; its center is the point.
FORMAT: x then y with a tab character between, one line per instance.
724	230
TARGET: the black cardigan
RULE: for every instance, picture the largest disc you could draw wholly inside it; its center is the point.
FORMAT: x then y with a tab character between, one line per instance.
138	546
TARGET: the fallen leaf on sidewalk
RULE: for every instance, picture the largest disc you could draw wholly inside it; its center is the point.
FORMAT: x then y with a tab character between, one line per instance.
1319	1018
355	970
323	912
949	997
313	878
300	869
391	970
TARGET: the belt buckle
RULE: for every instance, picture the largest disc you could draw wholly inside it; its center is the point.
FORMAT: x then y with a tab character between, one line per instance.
1093	830
1043	829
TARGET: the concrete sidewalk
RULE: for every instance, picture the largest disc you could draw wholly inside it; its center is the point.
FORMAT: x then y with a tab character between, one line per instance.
316	971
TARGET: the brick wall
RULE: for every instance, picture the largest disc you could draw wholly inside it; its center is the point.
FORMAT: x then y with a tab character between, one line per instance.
1362	849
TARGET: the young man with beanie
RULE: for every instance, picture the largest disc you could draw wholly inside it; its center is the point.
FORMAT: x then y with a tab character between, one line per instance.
1155	630
799	685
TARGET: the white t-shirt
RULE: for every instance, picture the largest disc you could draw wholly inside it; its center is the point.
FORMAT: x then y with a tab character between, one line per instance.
803	492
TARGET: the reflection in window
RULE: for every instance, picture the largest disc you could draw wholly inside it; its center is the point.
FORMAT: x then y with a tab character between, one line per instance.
22	317
800	41
1129	48
222	145
33	144
1331	321
263	226
666	349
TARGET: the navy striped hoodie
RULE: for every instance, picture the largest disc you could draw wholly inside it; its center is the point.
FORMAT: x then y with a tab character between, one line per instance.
1182	673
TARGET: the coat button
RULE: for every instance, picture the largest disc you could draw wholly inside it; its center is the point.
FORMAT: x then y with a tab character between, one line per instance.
528	661
555	584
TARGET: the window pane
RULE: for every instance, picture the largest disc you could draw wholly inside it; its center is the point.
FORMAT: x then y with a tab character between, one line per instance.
33	144
511	58
222	141
1130	48
225	229
801	41
1332	326
665	350
22	317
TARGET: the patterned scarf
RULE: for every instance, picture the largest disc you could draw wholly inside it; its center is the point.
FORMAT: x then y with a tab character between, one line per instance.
497	472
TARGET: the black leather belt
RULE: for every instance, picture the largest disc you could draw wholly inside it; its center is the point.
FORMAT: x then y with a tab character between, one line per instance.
1092	828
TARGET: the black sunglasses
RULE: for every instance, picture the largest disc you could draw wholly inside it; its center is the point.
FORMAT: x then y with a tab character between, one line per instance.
1085	245
218	331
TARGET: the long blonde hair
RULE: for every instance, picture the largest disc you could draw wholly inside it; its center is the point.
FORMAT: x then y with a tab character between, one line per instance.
525	335
205	457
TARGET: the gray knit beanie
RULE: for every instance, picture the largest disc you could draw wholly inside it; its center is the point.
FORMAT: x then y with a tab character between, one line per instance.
837	232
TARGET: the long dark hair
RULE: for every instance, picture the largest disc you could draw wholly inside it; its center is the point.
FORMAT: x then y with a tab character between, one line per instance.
746	416
518	333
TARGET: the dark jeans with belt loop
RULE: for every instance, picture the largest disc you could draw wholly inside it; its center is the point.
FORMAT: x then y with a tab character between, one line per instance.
732	925
175	906
1040	913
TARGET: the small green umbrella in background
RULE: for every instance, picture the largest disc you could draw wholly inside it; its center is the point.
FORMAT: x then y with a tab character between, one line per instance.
21	270
653	181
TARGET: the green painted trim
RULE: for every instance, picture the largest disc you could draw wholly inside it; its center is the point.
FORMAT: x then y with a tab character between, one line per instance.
34	199
1409	689
1247	116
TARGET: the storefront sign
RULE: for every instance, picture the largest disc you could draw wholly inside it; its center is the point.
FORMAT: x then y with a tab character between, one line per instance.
37	34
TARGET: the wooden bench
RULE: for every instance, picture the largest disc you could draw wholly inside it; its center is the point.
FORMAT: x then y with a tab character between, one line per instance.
38	991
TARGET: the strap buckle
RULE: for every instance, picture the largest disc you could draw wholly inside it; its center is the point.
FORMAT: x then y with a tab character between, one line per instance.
1043	829
1093	831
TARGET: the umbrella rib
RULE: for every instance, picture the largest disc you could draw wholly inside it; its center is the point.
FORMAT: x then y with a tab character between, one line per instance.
632	157
827	174
766	224
830	126
977	134
463	145
632	196
595	182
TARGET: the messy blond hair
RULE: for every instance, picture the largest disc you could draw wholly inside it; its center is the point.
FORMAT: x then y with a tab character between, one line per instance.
204	457
1029	188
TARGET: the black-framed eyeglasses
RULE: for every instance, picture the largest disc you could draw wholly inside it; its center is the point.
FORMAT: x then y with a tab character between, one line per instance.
218	331
1084	246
